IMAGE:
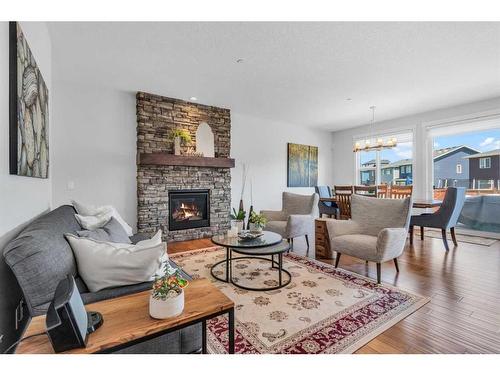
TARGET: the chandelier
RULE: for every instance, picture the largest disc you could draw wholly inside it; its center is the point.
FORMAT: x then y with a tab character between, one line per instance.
379	143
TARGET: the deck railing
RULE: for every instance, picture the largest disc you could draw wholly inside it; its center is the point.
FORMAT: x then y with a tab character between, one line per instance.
439	193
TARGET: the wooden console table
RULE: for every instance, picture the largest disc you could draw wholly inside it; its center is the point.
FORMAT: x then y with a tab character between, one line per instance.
322	242
127	321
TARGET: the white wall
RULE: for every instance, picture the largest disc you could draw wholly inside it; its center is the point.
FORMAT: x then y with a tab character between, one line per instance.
344	163
22	198
262	145
95	147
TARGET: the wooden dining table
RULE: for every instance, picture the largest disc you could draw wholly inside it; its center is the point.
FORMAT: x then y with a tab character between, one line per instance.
418	203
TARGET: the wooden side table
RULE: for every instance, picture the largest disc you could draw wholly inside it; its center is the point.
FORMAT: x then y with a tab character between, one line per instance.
127	321
322	243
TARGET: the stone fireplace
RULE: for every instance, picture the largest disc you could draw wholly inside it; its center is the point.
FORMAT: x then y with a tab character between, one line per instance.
187	197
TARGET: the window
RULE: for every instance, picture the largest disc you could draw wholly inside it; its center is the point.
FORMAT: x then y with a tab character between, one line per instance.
367	167
485	184
484	163
406	169
459	168
386	166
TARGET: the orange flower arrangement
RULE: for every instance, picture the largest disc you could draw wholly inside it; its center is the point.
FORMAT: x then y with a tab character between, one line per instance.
170	285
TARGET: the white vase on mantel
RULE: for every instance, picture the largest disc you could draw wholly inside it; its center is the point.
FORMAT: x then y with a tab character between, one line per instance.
177	145
168	308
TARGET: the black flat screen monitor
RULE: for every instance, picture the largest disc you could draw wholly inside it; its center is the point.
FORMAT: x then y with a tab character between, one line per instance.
67	320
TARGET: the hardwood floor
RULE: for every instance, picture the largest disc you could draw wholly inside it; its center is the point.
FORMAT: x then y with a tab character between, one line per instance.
464	285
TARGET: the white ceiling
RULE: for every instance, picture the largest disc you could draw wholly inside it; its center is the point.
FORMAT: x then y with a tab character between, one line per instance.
300	73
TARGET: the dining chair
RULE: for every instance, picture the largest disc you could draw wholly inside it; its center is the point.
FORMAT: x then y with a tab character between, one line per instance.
331	209
446	217
369	191
343	194
401	192
383	191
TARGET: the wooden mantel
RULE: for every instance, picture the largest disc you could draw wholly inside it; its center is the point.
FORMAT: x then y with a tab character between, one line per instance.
163	158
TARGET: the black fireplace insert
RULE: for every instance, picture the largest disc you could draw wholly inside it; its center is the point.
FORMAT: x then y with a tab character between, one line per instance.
188	209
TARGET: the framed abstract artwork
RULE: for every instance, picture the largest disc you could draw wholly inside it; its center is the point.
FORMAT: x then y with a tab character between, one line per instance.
302	165
28	110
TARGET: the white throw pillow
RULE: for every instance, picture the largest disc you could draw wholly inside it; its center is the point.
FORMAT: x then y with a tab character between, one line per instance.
107	264
90	210
153	241
93	222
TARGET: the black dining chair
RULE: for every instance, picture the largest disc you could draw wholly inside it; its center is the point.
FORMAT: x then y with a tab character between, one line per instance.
446	217
327	208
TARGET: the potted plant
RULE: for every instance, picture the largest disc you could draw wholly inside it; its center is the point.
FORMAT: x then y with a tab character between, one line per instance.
167	297
179	135
257	222
238	219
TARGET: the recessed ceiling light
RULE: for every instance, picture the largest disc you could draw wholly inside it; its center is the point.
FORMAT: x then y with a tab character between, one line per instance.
239	61
193	98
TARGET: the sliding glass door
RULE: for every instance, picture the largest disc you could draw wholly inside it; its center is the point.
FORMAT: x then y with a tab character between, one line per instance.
470	160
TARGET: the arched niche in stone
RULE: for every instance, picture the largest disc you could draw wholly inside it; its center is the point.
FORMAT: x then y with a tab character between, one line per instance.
205	140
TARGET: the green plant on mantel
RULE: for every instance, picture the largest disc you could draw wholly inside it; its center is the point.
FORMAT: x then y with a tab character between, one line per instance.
183	134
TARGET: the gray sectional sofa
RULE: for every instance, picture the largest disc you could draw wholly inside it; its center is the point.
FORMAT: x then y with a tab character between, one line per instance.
40	257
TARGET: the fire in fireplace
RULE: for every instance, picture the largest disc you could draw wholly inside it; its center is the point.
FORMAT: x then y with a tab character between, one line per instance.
188	209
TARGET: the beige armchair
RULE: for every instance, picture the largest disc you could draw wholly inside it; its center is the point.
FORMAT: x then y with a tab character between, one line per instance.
296	217
376	233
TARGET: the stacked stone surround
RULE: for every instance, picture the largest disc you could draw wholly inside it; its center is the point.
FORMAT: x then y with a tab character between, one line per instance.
157	116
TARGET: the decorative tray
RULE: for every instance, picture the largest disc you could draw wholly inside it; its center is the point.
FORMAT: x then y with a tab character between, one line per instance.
248	236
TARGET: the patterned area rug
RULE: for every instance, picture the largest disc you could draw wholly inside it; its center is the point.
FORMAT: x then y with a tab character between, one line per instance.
323	309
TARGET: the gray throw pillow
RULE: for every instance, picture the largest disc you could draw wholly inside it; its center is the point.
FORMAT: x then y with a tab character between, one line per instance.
112	231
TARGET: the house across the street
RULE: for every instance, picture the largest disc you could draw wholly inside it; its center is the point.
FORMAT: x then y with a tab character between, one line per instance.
484	170
398	173
450	168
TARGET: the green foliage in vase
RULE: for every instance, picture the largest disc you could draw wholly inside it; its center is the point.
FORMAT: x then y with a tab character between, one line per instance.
238	215
257	219
183	134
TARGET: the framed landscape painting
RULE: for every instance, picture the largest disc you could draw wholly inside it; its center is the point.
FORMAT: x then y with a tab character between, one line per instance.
28	110
302	165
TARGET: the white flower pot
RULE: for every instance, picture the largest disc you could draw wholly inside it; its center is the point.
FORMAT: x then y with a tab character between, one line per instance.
177	145
168	308
240	224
